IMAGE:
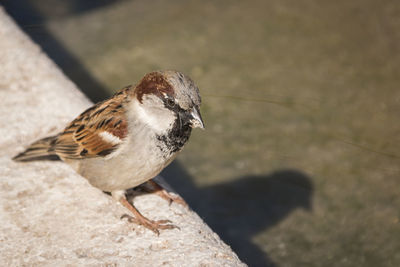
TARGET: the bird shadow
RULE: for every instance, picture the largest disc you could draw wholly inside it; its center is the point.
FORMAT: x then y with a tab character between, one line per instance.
241	208
236	210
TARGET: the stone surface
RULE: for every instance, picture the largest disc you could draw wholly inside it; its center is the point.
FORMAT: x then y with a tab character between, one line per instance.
52	216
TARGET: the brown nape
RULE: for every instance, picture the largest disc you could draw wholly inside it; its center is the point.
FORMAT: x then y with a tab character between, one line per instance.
154	83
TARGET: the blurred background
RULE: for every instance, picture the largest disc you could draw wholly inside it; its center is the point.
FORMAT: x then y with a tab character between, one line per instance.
299	163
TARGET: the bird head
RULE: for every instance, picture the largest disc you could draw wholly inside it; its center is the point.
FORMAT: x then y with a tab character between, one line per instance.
166	99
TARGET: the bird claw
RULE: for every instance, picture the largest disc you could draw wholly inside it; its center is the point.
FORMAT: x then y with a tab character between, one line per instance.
130	218
161	192
176	199
154	226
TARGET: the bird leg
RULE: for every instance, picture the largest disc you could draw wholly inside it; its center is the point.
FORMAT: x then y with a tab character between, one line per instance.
138	218
157	189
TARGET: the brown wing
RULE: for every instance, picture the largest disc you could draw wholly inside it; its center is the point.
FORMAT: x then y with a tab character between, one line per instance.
98	131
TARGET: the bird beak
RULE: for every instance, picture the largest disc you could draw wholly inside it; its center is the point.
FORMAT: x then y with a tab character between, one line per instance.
195	119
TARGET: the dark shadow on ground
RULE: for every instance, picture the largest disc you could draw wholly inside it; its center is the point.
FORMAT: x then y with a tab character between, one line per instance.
31	16
239	209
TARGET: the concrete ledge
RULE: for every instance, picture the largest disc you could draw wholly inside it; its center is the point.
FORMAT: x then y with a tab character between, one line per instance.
52	216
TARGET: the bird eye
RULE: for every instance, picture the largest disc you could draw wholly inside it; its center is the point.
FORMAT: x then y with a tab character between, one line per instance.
170	103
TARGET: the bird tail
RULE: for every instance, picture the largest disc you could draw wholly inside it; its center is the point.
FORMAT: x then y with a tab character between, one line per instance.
39	150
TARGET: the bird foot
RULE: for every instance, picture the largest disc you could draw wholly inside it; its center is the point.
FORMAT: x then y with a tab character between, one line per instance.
138	218
154	226
172	198
161	192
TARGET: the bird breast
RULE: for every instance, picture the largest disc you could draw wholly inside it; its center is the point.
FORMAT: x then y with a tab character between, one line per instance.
137	160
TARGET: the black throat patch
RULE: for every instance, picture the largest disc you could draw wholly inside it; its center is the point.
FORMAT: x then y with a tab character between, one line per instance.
176	138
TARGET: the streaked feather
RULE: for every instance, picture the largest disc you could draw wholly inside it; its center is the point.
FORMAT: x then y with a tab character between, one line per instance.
84	136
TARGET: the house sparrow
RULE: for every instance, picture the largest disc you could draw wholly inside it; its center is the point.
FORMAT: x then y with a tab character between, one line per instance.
128	139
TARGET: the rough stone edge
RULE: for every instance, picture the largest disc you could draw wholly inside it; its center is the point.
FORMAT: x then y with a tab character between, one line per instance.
41	201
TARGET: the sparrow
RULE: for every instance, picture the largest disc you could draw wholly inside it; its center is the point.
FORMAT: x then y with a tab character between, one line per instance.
128	139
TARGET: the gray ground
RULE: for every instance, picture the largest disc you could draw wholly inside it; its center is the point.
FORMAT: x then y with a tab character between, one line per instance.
299	165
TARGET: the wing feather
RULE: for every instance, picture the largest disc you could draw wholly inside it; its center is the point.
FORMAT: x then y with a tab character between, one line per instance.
85	137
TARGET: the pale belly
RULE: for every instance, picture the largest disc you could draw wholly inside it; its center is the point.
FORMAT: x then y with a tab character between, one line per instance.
128	169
